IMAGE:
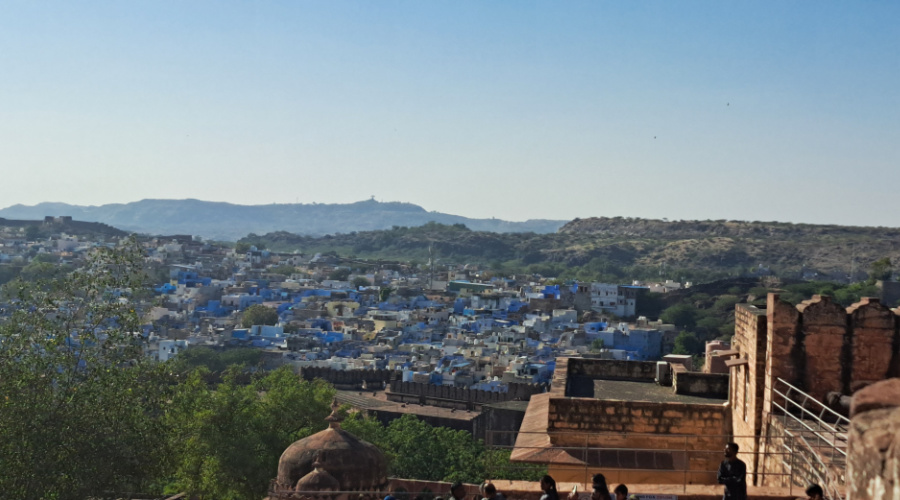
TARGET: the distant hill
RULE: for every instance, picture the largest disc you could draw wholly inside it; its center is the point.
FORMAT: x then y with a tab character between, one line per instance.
89	230
229	222
628	248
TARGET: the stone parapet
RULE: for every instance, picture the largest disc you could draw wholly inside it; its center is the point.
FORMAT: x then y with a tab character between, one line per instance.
873	459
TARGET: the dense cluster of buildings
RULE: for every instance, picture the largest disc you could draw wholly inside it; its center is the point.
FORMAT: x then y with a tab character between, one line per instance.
567	376
456	332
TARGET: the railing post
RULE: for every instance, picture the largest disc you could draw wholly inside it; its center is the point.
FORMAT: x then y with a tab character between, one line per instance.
687	464
586	457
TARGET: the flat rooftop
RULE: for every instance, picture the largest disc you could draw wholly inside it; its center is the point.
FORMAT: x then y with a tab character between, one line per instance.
631	390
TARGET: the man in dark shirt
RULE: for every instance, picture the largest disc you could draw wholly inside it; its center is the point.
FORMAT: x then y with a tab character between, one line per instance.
733	474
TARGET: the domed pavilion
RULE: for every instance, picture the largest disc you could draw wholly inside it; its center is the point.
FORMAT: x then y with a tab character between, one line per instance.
329	461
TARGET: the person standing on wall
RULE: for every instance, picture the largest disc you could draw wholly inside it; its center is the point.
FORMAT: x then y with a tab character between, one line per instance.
733	474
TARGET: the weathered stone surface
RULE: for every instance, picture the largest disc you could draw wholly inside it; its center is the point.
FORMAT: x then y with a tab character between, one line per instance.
880	395
824	329
873	459
873	332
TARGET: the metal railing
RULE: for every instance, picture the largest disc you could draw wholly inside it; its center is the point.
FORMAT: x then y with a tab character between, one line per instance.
815	433
671	459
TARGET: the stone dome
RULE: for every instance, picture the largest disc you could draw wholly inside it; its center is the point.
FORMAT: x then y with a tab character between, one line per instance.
354	463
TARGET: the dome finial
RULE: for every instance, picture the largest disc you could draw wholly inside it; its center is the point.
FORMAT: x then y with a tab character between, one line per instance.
334	420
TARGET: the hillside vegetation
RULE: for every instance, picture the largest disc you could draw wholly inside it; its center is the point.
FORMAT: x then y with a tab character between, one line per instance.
622	248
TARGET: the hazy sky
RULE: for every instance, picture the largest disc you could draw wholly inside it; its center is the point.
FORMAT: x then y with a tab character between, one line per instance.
688	110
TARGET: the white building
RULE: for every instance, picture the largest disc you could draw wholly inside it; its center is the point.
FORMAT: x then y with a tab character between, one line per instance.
620	300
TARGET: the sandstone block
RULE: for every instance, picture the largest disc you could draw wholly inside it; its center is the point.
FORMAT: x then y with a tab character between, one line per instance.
883	394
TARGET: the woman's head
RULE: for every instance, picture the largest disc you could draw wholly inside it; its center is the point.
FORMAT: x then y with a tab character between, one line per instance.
598	484
548	483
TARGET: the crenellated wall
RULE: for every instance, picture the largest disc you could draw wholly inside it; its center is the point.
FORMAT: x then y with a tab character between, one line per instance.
817	346
822	347
461	397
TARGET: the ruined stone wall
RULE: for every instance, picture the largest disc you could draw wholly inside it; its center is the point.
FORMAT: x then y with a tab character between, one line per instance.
747	381
694	433
611	369
416	392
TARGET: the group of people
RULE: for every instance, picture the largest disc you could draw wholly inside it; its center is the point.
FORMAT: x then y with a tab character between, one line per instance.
732	474
600	491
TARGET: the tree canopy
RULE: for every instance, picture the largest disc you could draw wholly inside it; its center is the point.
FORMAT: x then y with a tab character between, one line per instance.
259	315
78	395
687	343
449	455
227	441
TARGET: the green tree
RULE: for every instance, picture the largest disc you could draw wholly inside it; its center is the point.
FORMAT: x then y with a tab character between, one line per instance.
339	274
649	304
284	270
259	314
360	281
213	360
40	270
881	270
8	273
227	441
385	293
726	303
77	395
710	324
450	456
597	345
32	232
687	343
682	315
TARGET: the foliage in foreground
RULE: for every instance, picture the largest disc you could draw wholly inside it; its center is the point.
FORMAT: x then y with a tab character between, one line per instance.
418	450
78	399
226	441
84	413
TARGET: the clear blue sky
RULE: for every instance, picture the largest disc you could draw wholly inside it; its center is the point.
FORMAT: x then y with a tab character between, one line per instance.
763	110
